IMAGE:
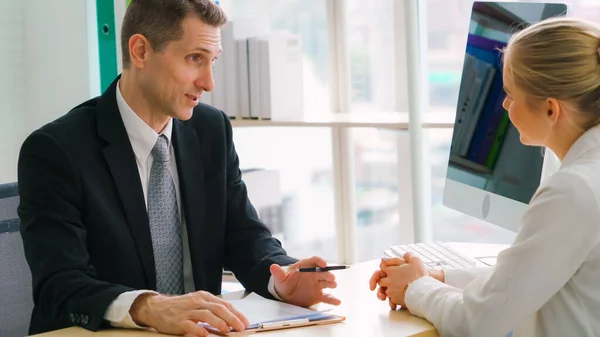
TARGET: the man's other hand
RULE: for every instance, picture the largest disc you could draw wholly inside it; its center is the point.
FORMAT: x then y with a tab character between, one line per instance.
179	315
304	289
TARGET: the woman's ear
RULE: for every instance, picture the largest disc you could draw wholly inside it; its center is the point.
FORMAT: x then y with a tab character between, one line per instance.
553	109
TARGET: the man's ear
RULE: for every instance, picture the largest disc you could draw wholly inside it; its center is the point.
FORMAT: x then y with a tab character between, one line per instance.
139	47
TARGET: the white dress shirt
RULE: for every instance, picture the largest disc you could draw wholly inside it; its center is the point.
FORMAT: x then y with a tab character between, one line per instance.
548	282
143	138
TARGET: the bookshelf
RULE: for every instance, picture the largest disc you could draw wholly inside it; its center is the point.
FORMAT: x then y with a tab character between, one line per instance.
379	120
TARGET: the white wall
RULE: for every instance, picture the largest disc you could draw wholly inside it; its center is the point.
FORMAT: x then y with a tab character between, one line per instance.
47	66
57	54
12	87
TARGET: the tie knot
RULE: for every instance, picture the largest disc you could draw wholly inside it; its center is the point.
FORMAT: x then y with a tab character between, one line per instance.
161	149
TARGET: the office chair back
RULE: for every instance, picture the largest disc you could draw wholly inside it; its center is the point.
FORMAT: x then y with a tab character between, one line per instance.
16	301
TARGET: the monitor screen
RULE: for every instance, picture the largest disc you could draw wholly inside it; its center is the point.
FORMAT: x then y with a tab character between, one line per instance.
491	174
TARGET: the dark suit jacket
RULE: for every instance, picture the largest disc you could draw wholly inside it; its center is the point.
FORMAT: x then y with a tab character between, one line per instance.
84	221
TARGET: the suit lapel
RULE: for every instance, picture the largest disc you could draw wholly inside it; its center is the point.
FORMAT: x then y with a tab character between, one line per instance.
123	168
191	182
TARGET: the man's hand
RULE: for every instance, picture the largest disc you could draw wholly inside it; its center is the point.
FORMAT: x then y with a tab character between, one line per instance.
304	289
179	315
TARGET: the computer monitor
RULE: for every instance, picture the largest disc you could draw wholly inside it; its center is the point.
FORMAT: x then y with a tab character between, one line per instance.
491	175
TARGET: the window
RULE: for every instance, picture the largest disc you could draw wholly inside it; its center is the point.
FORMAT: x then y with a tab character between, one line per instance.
376	187
304	221
447	26
301	155
370	47
370	37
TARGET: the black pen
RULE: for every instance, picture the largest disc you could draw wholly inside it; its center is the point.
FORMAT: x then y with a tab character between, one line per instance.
318	269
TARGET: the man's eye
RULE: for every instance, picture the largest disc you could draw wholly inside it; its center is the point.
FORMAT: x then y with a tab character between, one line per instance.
195	58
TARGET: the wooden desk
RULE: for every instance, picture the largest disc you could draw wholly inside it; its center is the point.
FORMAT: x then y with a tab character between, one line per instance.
365	314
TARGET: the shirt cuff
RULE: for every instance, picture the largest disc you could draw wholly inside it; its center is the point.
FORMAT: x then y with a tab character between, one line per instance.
271	288
118	310
416	294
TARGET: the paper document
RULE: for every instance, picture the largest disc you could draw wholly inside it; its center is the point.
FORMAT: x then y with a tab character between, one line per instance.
259	309
265	314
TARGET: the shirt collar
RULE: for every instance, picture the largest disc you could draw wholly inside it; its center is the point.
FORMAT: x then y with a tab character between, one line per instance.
141	135
586	142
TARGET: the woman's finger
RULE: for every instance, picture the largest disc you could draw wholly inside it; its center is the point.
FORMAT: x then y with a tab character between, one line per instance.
385	282
393	305
381	294
391	261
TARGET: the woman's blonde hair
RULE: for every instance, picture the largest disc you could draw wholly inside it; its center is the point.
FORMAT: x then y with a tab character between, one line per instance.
559	58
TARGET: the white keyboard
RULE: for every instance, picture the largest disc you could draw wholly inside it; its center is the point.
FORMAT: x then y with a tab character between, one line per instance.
435	255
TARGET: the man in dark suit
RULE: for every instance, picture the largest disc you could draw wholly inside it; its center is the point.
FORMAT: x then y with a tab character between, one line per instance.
133	202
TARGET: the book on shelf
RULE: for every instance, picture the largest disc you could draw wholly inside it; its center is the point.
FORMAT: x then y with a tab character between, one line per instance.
280	77
254	77
243	80
231	68
259	73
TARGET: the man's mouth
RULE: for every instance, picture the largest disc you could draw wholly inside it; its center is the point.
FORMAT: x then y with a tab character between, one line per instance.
194	98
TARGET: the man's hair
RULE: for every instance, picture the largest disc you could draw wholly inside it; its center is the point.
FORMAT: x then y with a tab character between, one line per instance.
160	21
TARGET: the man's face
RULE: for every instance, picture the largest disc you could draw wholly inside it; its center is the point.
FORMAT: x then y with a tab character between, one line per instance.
174	78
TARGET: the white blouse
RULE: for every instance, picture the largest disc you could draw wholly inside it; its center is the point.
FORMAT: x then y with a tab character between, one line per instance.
548	282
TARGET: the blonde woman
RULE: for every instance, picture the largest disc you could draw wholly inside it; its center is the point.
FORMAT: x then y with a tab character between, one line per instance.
548	282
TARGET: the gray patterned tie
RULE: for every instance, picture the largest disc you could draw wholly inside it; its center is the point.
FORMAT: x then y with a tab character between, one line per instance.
164	222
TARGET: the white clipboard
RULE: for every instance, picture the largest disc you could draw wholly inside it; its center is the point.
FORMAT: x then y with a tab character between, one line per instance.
318	318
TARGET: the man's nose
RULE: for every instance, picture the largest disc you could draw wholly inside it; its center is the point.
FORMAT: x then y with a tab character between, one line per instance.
205	81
